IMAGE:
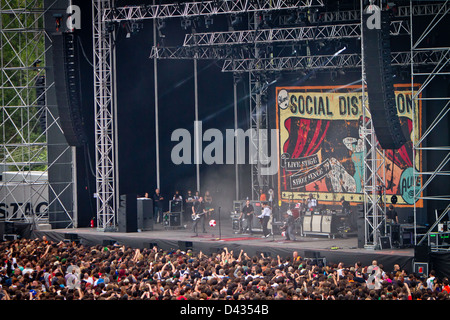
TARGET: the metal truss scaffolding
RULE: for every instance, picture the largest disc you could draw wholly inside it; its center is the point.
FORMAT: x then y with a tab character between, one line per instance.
436	236
105	119
27	156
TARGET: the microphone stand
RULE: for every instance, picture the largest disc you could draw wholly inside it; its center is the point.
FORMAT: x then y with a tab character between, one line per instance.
220	228
273	229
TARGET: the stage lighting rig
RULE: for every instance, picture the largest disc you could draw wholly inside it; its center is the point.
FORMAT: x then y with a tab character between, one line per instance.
235	21
266	20
186	23
208	21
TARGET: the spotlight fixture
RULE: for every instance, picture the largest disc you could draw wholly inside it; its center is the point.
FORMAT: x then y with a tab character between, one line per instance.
267	20
208	21
334	75
161	24
236	20
186	23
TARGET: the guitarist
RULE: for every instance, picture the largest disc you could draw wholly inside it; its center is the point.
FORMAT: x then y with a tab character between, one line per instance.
198	213
247	214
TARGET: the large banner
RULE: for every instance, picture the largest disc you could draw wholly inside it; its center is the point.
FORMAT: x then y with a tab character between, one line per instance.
321	147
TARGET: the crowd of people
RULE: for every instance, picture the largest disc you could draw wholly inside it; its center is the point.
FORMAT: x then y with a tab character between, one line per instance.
39	269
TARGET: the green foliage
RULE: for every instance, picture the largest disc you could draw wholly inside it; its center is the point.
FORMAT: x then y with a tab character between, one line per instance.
22	46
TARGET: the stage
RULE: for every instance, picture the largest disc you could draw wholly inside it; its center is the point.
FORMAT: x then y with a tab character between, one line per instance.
335	250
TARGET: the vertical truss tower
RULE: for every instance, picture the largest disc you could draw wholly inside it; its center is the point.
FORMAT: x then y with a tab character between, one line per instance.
27	153
105	119
427	148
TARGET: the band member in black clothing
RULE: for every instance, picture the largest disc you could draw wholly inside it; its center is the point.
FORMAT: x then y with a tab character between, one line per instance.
158	206
391	215
208	205
189	204
349	217
345	206
198	213
247	215
289	226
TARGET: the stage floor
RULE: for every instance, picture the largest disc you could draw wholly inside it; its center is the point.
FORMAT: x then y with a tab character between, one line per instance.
335	250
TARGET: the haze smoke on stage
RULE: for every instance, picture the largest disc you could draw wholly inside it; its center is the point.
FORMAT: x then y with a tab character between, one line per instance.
219	180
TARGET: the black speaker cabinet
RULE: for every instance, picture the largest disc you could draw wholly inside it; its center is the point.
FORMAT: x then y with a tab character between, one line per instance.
176	206
66	71
72	237
172	219
385	242
380	83
145	214
185	245
360	224
2	229
127	213
422	253
108	242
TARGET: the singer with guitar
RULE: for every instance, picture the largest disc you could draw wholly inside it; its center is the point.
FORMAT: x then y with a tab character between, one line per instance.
198	213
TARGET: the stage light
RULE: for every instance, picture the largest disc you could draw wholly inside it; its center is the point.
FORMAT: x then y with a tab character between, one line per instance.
161	24
236	20
208	21
186	23
294	50
267	20
320	45
334	75
136	27
292	18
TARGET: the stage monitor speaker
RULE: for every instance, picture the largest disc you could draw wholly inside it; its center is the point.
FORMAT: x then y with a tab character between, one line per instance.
185	245
145	214
150	245
380	83
385	242
127	213
66	72
108	242
72	237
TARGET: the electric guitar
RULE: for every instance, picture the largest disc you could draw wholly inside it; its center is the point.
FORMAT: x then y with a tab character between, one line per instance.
196	216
